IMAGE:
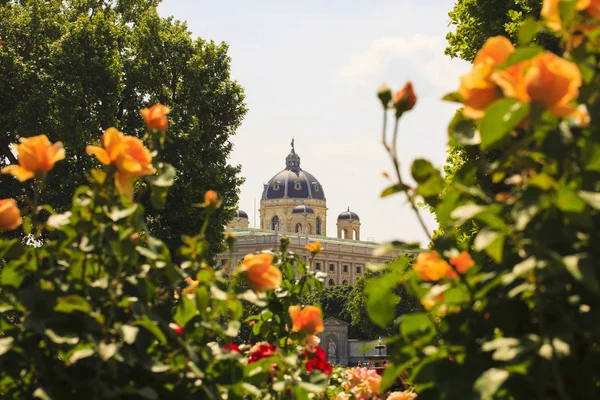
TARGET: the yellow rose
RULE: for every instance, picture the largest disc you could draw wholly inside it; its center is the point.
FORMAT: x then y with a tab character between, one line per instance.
156	117
314	248
10	216
430	267
36	154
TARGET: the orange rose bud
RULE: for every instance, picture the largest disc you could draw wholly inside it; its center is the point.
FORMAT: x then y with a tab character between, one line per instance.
36	154
211	199
404	99
10	216
430	267
156	117
262	274
307	319
463	262
314	248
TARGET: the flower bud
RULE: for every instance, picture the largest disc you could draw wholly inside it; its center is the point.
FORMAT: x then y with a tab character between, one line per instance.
404	99
211	199
385	95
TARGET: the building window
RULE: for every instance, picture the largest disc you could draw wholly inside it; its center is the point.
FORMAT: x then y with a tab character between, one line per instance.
315	186
318	266
345	268
318	226
345	282
276	185
332	267
275	223
298	228
309	229
358	270
297	185
331	282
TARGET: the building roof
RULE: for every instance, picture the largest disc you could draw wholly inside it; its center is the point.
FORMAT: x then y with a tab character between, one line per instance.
240	214
348	215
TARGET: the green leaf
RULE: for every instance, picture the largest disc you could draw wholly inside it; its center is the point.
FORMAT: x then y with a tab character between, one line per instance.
71	303
521	54
591	198
151	327
422	170
393	190
129	333
527	31
185	311
492	242
12	274
543	181
489	382
591	156
61	339
381	303
454	97
107	350
414	324
6	344
116	214
464	131
567	11
80	354
40	393
500	118
569	201
583	270
57	221
164	177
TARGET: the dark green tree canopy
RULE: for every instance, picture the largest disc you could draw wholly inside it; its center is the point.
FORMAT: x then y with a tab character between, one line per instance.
71	69
477	20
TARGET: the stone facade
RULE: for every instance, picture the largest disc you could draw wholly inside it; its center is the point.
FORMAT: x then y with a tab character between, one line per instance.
276	214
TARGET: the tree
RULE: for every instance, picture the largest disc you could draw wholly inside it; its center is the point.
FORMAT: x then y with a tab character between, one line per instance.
478	20
356	308
333	301
71	69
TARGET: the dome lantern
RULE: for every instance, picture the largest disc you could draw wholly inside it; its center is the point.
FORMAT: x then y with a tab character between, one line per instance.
348	225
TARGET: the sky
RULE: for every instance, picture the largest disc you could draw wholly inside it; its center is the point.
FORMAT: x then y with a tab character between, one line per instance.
310	70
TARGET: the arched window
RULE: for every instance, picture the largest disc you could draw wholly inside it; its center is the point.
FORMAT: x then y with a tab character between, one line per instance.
354	234
331	282
309	229
344	234
275	223
318	226
345	282
298	228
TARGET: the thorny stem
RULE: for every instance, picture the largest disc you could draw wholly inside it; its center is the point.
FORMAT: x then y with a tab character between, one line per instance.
392	151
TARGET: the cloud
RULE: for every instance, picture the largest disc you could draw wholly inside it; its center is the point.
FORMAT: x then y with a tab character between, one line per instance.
421	57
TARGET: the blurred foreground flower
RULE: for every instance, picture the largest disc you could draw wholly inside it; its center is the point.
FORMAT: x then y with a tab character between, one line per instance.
314	248
404	99
363	382
262	274
10	216
36	154
307	319
401	396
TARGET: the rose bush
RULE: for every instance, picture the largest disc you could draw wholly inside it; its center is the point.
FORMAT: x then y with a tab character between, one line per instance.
95	307
511	310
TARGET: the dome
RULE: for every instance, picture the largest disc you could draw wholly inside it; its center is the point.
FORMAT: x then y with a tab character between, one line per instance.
240	214
303	210
293	182
346	215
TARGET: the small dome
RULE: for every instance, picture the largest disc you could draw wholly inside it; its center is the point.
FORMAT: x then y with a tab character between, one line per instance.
240	214
303	210
348	215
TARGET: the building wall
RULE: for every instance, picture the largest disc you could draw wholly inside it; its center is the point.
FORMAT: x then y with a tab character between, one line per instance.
282	208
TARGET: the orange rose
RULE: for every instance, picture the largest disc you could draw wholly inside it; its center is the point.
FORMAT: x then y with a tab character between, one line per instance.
405	98
307	319
36	154
593	8
551	11
156	117
262	274
128	154
477	88
10	216
463	262
430	267
314	248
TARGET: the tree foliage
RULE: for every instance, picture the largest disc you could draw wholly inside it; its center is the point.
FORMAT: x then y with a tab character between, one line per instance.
475	21
71	69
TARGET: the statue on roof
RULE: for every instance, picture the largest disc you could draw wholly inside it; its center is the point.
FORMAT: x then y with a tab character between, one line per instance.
292	144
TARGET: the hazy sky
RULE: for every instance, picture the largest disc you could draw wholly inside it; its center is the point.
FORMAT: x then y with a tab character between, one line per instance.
310	70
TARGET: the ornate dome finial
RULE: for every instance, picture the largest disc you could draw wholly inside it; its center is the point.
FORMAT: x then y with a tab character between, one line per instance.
292	161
